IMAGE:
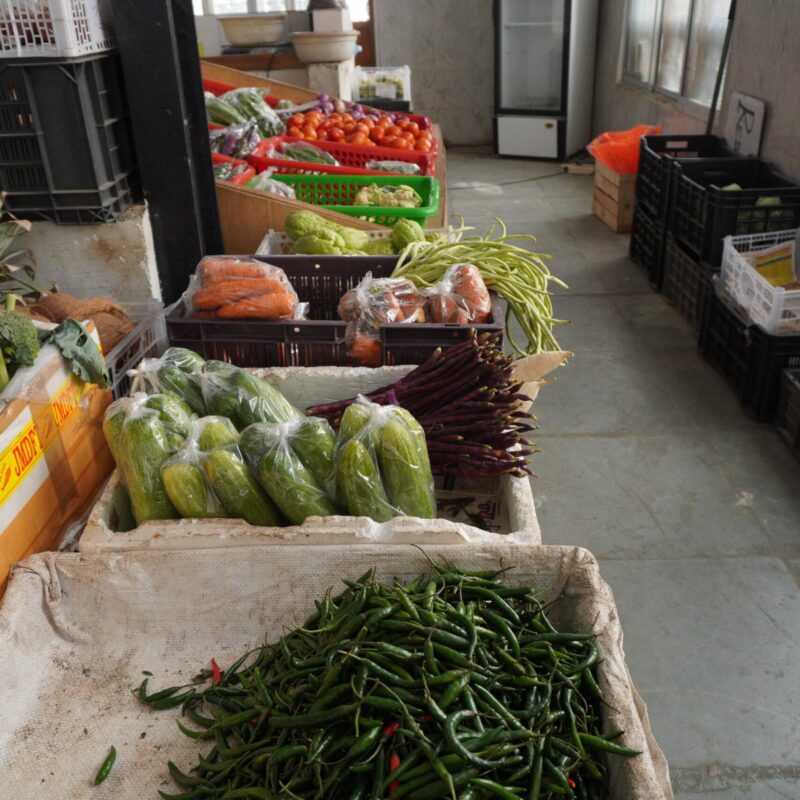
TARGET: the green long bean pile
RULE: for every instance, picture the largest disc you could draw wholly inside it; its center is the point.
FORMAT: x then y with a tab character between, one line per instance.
517	275
454	685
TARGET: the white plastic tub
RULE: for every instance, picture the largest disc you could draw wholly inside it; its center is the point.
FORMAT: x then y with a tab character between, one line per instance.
318	48
505	505
242	30
775	309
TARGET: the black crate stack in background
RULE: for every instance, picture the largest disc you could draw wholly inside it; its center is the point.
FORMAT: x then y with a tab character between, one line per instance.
66	143
692	192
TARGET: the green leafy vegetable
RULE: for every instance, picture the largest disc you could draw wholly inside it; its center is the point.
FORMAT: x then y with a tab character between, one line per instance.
82	352
19	341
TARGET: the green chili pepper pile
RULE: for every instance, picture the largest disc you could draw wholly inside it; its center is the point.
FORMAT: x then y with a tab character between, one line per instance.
454	685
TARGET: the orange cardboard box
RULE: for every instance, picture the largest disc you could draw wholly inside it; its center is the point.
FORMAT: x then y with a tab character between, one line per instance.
53	456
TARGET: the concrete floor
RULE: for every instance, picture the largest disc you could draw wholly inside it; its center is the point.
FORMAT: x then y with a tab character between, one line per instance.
692	509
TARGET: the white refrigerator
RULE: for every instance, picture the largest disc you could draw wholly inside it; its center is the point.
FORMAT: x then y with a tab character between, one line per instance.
544	76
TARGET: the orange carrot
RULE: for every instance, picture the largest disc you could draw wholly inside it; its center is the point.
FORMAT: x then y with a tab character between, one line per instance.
219	294
468	282
366	351
216	270
277	305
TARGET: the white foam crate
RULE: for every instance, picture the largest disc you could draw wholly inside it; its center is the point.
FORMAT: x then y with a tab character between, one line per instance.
505	505
775	309
55	28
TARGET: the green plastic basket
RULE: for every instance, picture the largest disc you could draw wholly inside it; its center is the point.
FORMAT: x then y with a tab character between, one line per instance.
336	193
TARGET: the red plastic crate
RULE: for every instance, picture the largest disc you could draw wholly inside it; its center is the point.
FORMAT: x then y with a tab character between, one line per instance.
239	180
352	158
217	88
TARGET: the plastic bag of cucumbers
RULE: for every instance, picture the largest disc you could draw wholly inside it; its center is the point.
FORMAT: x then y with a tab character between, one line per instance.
294	461
142	432
382	465
176	371
232	392
208	477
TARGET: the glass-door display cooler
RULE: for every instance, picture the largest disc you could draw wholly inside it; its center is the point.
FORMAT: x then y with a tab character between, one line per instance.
544	76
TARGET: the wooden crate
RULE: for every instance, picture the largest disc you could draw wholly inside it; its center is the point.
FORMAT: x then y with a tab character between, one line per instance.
614	198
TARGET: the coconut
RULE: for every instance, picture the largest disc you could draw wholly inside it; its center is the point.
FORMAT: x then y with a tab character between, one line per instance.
111	320
111	329
56	306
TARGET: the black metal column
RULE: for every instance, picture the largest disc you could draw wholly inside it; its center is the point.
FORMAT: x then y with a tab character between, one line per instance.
158	46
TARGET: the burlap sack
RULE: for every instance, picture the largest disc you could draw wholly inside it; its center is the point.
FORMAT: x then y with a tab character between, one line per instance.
78	630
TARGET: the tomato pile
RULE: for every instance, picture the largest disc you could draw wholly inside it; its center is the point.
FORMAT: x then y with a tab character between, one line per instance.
405	134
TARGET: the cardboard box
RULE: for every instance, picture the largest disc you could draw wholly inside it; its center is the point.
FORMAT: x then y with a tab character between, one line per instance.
330	20
53	456
614	198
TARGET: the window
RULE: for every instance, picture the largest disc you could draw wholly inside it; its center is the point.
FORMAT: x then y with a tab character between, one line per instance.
674	46
247	6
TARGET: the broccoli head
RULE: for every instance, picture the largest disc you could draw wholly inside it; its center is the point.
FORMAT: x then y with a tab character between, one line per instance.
19	341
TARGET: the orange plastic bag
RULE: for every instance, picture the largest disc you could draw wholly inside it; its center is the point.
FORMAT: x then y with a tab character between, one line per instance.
619	150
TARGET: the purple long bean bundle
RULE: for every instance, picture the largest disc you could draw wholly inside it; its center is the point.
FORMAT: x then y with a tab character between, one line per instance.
470	406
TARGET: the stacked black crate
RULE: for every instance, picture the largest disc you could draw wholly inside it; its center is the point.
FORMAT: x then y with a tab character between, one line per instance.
66	144
734	197
654	184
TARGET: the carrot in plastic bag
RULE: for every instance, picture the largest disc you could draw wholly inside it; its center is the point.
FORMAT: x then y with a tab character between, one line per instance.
214	270
365	351
469	284
277	305
224	292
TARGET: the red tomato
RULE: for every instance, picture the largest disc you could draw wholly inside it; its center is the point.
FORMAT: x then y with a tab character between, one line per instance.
322	134
347	118
385	121
377	133
309	132
336	135
408	136
349	127
362	128
369	122
399	143
358	138
425	135
410	126
293	130
393	130
297	120
423	145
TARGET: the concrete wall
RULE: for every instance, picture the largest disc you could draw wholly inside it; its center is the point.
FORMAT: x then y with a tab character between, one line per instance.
764	61
116	259
449	45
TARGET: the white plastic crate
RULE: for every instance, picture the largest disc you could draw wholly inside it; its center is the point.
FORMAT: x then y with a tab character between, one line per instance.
55	28
775	309
148	339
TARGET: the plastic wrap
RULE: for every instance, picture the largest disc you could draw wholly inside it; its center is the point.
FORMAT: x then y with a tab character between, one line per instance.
185	480
237	140
241	397
229	170
382	465
375	302
402	167
297	485
302	151
233	287
176	372
250	103
142	434
264	182
461	296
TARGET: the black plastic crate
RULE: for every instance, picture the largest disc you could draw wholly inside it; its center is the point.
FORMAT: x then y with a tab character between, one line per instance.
703	213
656	157
66	144
787	417
685	282
750	359
647	244
318	340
